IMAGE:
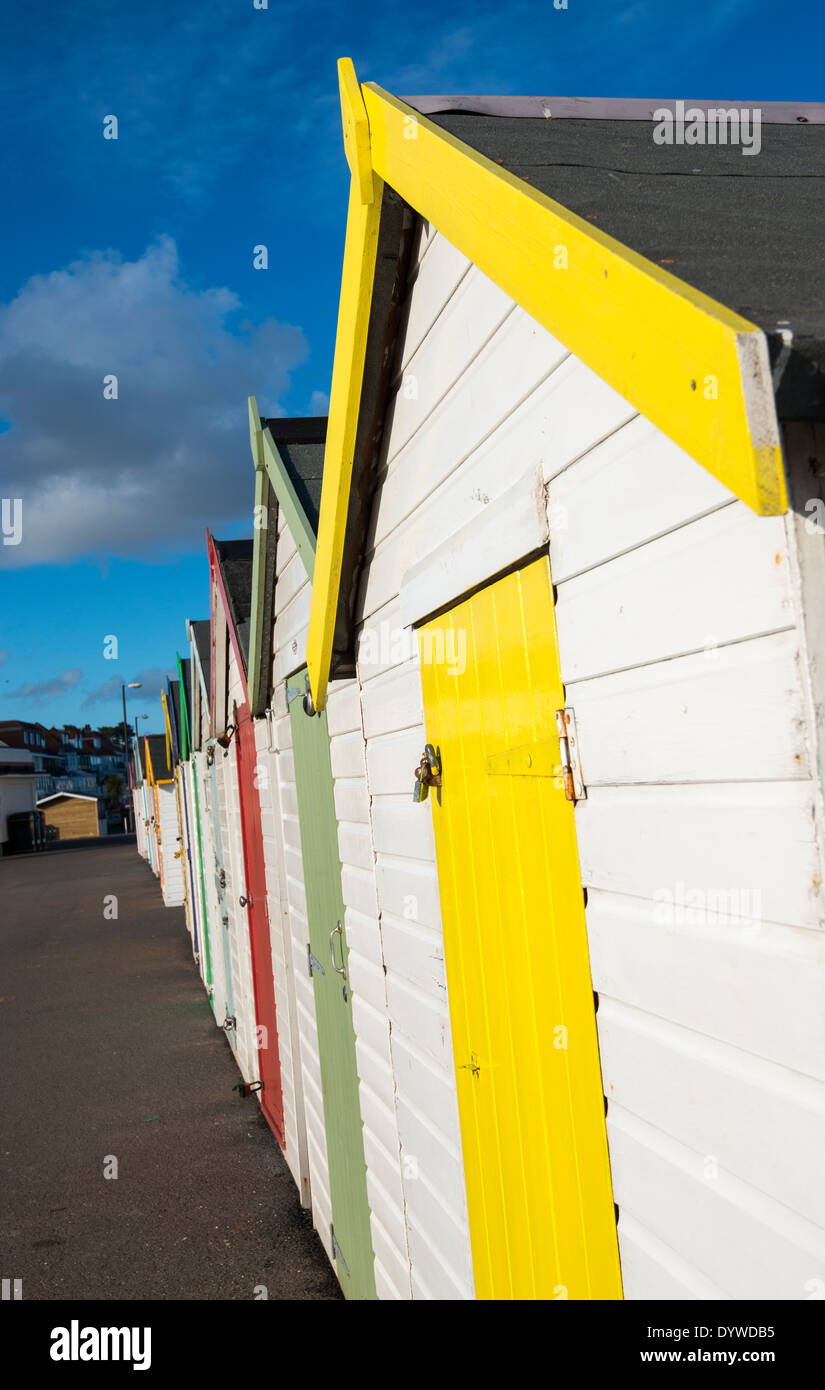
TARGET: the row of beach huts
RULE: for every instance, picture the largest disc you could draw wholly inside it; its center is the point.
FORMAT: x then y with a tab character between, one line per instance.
492	778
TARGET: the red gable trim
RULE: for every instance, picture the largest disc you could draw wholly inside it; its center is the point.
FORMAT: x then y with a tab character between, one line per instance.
217	577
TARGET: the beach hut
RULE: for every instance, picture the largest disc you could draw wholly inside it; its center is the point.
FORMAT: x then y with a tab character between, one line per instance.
308	922
143	804
170	700
569	565
165	833
70	815
138	798
205	779
230	570
176	708
192	794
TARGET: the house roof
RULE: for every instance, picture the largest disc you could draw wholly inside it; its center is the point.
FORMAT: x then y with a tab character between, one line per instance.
65	796
746	230
235	560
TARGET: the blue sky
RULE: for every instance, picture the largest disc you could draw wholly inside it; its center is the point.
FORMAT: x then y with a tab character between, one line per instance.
135	257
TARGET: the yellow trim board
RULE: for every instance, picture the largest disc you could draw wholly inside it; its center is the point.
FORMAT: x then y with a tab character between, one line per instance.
660	343
345	398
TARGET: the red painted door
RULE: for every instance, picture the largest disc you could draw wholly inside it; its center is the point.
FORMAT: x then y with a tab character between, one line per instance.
253	856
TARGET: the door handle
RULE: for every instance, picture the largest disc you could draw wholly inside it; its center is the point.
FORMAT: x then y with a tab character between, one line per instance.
338	931
245	902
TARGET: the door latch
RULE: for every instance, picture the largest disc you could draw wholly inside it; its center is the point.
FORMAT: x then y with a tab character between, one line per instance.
428	774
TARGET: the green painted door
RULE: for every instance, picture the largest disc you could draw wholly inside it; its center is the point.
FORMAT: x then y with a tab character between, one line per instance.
333	999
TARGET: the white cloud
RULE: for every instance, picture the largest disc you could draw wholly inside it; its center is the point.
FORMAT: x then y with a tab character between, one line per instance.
152	682
144	473
39	691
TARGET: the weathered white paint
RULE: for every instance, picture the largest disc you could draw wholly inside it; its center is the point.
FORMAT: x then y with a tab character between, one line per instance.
210	886
287	899
171	845
283	966
371	1020
139	821
232	843
189	855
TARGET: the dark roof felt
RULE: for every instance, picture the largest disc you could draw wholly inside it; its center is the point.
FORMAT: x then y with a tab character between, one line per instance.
157	752
301	446
175	717
203	645
186	672
744	229
235	559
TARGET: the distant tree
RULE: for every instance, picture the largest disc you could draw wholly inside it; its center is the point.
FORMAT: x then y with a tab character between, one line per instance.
114	790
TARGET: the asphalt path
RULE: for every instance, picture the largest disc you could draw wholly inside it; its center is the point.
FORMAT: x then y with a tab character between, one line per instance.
109	1050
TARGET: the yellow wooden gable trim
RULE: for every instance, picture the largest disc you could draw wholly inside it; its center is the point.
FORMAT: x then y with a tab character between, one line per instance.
696	369
360	250
167	729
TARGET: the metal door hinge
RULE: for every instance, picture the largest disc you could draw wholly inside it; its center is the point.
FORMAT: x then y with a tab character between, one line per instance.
337	1252
315	966
555	757
574	788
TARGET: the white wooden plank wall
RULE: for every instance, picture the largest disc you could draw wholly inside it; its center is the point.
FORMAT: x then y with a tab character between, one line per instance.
172	882
189	847
701	853
282	968
292	593
370	1008
140	822
241	953
151	828
212	907
679	649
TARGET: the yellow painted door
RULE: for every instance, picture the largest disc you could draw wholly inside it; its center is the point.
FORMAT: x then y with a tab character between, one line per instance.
530	1099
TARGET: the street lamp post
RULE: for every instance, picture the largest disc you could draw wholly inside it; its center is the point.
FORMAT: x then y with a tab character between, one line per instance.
130	685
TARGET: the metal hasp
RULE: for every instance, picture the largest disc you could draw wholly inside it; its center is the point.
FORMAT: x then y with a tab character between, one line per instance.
338	1252
315	966
571	773
229	1023
428	774
246	1088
